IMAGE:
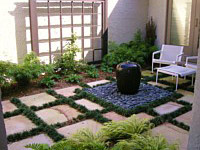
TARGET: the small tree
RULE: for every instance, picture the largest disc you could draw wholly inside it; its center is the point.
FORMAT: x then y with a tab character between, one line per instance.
151	32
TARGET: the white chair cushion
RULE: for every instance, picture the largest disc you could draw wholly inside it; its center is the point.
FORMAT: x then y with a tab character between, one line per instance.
163	61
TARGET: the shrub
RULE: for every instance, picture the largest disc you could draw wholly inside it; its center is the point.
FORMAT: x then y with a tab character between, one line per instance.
93	74
67	62
73	78
137	51
22	75
92	71
28	70
47	82
5	76
151	32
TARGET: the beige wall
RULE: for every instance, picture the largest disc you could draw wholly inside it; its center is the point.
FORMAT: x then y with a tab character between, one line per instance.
125	18
12	41
157	10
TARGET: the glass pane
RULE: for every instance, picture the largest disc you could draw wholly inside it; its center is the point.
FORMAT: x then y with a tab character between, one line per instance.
180	22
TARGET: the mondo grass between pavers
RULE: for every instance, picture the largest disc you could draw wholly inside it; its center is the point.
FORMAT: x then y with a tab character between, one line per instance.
42	126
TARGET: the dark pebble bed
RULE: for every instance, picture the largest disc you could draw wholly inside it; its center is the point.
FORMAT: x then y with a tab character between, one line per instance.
147	93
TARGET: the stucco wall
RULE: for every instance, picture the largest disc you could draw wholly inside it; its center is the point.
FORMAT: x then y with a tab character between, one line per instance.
125	18
12	41
157	10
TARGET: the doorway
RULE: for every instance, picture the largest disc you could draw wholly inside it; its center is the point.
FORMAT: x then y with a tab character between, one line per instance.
183	25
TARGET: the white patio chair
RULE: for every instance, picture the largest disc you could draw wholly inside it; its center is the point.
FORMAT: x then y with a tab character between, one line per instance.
169	55
190	64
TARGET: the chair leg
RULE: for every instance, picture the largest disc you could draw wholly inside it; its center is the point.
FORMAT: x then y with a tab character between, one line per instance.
192	79
157	77
152	67
176	82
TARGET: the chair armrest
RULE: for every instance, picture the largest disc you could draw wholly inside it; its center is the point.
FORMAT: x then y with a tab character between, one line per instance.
190	58
156	52
178	56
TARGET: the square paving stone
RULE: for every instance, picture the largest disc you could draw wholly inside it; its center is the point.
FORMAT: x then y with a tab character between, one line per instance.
18	124
68	111
114	116
92	84
173	134
39	139
188	98
185	93
37	100
173	80
158	84
167	108
8	106
144	116
68	91
71	129
89	105
147	73
185	118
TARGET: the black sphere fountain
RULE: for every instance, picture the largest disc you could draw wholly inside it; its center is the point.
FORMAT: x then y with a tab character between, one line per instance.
128	76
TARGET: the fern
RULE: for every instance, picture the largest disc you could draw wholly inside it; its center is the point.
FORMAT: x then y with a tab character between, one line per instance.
139	142
86	140
114	131
38	146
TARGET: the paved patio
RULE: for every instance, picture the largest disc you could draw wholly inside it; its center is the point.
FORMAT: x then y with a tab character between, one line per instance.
69	120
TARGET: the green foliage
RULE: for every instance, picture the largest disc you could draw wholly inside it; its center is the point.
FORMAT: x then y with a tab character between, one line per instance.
22	75
73	78
67	62
93	74
106	68
114	131
137	51
92	71
86	140
47	82
5	76
31	59
140	142
30	69
151	32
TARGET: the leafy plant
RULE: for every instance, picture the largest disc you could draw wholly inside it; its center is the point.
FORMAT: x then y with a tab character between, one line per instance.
28	70
5	76
47	82
31	58
147	142
114	131
85	139
151	32
73	78
92	71
137	50
67	62
22	75
93	74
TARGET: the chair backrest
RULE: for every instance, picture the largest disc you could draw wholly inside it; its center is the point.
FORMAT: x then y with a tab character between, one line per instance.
170	52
